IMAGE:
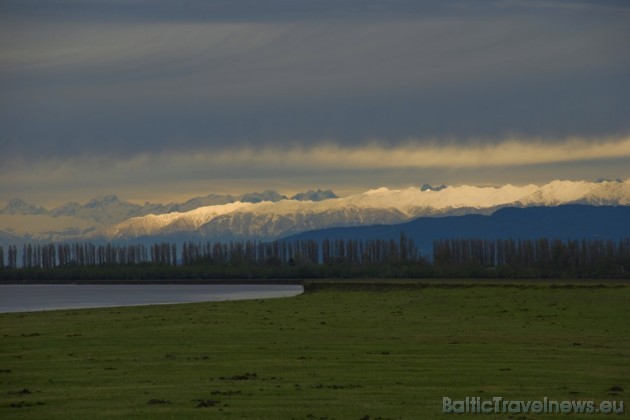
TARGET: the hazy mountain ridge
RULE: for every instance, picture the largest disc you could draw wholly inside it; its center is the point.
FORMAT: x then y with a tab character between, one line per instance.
18	206
569	221
110	209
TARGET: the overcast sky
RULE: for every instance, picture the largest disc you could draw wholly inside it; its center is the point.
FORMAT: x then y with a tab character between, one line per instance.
159	100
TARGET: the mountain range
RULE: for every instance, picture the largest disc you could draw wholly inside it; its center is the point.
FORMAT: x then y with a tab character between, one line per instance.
110	209
271	215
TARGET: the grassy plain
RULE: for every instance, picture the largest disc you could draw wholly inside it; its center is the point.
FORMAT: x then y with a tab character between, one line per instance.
344	352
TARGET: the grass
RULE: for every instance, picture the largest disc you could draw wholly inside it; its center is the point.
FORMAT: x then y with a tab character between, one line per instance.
388	351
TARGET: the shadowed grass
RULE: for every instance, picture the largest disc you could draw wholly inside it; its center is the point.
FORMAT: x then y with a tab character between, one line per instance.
342	352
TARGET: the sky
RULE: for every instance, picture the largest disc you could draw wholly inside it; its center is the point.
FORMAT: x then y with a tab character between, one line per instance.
160	101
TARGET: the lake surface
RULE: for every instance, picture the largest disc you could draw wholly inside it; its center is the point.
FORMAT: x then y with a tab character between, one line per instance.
39	297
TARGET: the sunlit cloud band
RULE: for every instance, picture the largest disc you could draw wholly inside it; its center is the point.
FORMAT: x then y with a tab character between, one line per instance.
509	153
167	175
331	156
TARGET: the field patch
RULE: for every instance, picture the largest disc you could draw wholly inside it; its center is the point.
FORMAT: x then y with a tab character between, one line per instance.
343	352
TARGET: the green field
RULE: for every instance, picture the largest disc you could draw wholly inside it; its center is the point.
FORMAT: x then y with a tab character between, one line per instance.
345	352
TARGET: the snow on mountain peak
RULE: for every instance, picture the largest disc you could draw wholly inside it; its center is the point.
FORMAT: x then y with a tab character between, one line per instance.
154	224
380	191
561	192
272	219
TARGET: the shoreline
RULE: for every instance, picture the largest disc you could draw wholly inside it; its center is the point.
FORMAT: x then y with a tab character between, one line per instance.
159	282
345	282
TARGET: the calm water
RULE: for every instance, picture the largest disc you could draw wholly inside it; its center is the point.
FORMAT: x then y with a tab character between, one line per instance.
37	297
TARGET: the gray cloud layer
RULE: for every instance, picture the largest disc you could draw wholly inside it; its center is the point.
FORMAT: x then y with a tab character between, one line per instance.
118	79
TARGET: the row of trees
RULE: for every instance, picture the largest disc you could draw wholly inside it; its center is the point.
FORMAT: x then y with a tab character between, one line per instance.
192	253
328	258
87	254
523	253
12	256
351	251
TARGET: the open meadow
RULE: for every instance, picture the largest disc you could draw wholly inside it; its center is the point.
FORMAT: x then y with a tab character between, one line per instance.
340	351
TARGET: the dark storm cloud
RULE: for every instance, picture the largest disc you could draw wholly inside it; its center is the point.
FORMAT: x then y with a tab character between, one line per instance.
293	71
233	11
283	10
93	80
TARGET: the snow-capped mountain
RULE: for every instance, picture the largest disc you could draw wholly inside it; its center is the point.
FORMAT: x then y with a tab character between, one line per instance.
581	192
24	221
269	220
270	215
74	221
159	224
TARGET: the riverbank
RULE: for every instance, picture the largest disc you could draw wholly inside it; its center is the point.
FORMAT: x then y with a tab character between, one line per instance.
341	283
47	297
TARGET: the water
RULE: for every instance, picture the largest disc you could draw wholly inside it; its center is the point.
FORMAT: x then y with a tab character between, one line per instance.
38	297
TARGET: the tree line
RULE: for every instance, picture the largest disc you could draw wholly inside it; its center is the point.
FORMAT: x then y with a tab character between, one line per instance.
571	258
302	252
48	256
463	257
